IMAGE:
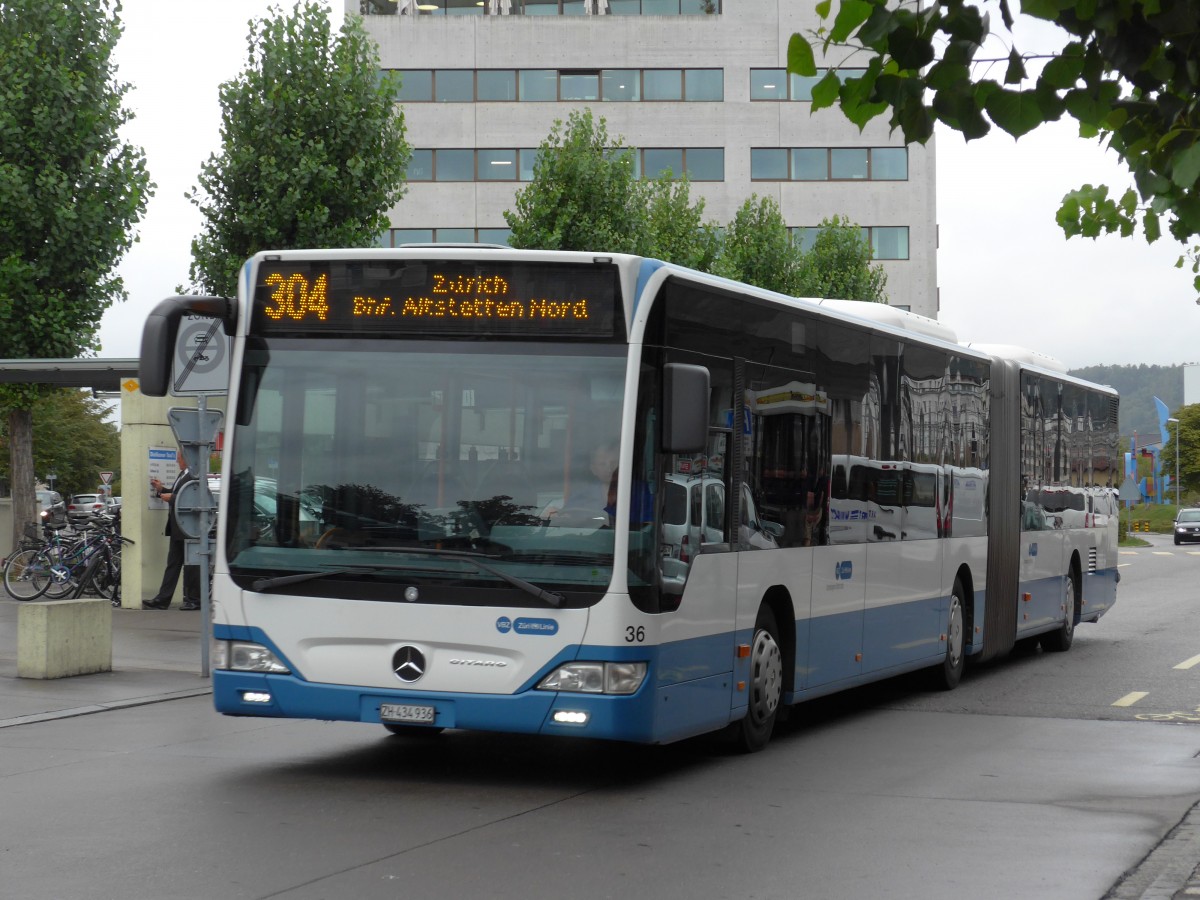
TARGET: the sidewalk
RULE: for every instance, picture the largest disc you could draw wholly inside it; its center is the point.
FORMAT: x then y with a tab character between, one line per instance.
155	656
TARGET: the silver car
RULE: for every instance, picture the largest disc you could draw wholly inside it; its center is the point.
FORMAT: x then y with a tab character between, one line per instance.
1187	525
51	507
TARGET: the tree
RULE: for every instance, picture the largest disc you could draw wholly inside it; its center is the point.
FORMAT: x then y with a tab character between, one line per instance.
1187	433
839	265
313	151
1127	74
584	194
758	249
70	193
676	231
73	439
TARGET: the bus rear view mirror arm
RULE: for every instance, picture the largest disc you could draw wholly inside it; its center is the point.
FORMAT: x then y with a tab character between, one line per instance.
160	331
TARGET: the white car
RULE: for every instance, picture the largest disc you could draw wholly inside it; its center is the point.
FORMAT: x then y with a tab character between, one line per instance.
694	515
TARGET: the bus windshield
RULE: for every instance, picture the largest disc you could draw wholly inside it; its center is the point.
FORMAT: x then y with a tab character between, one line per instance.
452	471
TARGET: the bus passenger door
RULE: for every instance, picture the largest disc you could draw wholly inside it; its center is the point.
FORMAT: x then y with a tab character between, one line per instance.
1043	551
905	599
839	580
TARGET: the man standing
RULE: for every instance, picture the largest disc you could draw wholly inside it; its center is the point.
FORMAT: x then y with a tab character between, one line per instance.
175	551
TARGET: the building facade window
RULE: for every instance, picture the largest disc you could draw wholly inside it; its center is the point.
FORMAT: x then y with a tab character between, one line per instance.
453	165
395	237
829	164
540	7
454	86
887	241
553	85
496	85
777	84
517	164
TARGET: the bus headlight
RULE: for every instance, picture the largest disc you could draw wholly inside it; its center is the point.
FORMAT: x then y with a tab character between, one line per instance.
243	656
596	678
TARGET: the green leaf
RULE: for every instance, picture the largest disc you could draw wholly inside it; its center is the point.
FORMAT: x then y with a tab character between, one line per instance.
823	8
1016	112
959	107
911	49
1151	226
876	29
946	75
800	59
825	91
1185	167
1063	71
1049	10
851	14
1084	107
966	24
1016	68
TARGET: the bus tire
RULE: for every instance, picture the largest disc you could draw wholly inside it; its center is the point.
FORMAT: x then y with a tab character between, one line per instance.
950	672
1060	641
766	684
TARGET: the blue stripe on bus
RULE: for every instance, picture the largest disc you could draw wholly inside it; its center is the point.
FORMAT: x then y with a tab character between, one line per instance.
692	685
647	268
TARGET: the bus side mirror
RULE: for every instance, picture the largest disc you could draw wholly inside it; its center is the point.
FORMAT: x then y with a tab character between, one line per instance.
160	332
685	408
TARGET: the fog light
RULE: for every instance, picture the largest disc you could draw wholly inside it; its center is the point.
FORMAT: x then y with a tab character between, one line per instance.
256	697
570	717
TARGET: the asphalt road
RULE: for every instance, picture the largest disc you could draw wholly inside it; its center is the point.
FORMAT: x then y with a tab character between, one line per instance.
1030	780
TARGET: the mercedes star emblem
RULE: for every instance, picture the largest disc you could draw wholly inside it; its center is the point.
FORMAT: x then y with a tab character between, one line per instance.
408	663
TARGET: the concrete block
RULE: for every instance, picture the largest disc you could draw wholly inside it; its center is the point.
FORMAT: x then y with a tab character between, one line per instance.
64	637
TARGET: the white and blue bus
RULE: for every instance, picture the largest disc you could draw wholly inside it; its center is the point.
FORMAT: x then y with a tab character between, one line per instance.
488	489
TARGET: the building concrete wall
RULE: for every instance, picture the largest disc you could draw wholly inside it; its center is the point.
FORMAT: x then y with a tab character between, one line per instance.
750	34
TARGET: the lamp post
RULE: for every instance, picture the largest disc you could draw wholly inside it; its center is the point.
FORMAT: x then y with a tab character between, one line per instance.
1176	421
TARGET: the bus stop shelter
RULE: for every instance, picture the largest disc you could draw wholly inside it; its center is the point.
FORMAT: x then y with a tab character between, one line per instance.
144	431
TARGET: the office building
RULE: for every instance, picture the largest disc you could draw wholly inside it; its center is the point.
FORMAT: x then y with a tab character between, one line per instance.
696	86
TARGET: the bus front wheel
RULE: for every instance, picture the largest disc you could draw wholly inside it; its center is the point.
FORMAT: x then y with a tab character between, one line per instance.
765	686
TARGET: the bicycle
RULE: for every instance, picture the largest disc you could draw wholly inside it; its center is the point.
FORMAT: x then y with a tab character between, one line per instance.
56	569
26	571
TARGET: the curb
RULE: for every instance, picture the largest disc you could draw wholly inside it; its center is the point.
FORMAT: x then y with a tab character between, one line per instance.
102	707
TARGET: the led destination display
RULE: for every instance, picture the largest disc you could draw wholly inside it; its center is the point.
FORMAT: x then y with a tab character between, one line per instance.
436	297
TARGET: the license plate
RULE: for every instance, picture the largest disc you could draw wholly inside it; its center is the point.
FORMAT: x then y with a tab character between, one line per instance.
399	712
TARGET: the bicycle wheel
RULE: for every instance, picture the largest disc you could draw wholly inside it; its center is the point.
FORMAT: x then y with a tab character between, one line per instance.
57	574
105	579
20	582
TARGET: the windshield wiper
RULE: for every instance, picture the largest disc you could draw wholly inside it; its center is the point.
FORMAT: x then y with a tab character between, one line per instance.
266	584
475	559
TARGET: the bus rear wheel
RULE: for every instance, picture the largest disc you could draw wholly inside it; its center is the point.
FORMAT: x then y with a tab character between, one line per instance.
949	673
766	685
1061	640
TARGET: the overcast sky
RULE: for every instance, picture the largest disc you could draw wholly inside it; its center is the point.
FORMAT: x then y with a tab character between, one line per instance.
1006	274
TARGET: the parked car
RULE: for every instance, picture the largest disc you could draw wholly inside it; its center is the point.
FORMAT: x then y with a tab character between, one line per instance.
85	508
113	504
51	507
1187	525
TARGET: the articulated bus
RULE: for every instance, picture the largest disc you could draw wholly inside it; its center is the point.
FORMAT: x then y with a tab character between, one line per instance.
491	489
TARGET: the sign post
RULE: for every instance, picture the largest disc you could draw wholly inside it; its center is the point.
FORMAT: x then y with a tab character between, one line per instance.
196	431
200	367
